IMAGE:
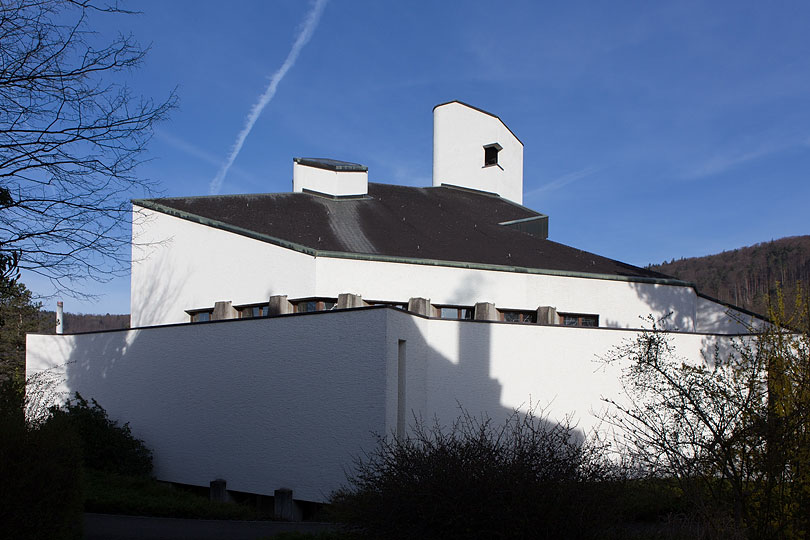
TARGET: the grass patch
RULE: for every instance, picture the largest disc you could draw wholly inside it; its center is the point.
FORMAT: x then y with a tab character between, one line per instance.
110	493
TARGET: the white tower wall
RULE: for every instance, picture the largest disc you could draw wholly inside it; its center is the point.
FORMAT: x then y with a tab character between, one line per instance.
460	134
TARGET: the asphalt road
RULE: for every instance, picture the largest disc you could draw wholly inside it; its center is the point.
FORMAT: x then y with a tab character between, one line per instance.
114	527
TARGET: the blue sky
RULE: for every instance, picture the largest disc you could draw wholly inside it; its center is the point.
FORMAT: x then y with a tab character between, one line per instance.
652	130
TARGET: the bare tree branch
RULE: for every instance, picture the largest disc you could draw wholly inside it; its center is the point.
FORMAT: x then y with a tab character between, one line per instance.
71	138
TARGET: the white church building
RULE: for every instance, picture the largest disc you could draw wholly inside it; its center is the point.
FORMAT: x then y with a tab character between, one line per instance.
273	335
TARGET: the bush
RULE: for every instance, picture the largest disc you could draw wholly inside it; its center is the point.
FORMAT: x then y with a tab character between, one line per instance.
41	493
105	445
733	430
527	478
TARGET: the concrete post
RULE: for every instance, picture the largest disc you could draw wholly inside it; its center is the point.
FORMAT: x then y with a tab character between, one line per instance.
547	315
278	305
420	306
224	310
284	505
217	491
349	300
485	311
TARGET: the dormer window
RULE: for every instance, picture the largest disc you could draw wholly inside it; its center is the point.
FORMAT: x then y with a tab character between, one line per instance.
491	154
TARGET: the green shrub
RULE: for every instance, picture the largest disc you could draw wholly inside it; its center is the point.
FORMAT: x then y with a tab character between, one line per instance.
527	478
106	446
41	492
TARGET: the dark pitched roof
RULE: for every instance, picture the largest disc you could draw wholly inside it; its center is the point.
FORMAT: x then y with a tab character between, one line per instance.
429	225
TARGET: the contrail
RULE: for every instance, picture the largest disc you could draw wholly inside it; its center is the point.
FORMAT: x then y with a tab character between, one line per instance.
307	28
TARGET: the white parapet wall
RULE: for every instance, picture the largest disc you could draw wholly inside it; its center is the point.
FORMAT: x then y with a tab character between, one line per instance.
561	371
263	403
289	401
499	368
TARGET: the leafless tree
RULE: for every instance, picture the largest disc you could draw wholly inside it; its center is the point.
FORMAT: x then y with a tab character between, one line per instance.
733	430
71	137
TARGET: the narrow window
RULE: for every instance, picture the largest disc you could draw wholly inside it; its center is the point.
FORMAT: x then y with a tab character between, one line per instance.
579	319
491	154
448	313
571	320
454	312
200	316
316	304
249	312
514	316
401	374
395	305
589	320
305	306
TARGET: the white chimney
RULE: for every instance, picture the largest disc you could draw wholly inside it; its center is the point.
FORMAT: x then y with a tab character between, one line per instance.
329	177
475	149
59	317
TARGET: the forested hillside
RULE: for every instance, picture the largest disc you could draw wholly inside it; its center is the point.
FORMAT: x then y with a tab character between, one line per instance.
745	276
21	314
75	323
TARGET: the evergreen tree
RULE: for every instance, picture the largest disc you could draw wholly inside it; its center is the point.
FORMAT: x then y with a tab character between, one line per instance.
19	314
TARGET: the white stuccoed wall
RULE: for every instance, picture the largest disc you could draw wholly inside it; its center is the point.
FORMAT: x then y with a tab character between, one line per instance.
180	265
262	403
715	317
336	183
618	303
499	367
460	133
289	401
